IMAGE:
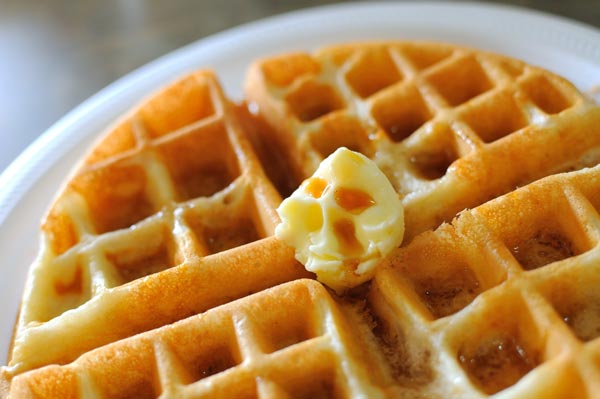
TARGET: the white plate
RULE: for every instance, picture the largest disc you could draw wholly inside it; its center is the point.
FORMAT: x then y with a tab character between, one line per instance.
28	185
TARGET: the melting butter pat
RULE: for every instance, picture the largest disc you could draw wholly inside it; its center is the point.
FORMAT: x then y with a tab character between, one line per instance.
343	220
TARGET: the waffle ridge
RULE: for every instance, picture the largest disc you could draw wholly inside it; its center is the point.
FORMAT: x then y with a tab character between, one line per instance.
159	276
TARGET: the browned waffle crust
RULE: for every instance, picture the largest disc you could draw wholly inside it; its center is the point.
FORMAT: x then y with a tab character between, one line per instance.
165	229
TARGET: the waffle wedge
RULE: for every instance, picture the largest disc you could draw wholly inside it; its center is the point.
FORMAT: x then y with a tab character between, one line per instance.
179	171
451	127
163	238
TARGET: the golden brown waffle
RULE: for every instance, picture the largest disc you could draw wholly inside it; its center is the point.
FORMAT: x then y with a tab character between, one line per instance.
179	172
474	308
451	127
172	214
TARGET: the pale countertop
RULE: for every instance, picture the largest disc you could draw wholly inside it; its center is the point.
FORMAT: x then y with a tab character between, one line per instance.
57	53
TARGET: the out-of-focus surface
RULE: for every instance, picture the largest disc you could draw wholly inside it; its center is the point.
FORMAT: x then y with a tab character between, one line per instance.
57	53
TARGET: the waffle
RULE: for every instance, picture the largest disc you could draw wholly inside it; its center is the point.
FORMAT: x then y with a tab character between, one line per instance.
451	127
159	275
182	173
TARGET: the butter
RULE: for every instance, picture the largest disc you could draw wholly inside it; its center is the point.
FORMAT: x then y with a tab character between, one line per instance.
343	220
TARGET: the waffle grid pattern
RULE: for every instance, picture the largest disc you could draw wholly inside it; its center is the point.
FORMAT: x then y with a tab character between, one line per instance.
438	120
177	192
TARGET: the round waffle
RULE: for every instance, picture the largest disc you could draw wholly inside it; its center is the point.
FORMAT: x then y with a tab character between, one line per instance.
159	276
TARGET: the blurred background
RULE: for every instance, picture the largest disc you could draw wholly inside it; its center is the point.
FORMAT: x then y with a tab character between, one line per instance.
56	53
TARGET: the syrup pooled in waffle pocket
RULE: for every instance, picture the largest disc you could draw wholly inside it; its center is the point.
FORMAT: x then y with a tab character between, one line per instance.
159	274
